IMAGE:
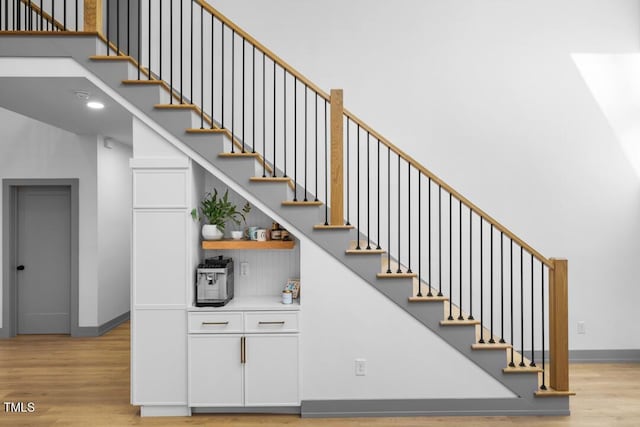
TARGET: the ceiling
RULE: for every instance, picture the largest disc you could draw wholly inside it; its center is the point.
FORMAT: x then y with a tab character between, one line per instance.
53	100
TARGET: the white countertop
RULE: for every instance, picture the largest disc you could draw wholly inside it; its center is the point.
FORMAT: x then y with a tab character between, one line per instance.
269	302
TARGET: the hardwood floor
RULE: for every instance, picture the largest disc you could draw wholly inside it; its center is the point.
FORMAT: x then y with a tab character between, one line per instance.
85	382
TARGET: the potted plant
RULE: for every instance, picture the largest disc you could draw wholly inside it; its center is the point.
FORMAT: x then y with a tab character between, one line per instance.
217	211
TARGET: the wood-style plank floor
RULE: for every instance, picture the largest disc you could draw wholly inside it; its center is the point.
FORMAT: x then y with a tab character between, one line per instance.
85	382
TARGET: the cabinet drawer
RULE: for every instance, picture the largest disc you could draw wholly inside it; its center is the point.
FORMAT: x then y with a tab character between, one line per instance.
215	323
272	321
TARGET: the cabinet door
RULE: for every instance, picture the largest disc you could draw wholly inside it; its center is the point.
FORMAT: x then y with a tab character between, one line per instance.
271	370
215	370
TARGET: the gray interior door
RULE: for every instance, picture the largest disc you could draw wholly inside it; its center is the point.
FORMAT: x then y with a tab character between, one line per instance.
44	259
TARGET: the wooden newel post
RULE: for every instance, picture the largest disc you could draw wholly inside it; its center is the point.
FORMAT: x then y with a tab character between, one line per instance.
559	326
93	15
337	156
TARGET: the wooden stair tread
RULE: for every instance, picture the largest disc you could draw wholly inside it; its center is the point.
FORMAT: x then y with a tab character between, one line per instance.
205	130
110	58
489	346
425	298
269	179
332	227
465	322
364	251
143	82
238	155
554	393
521	369
396	275
302	203
176	106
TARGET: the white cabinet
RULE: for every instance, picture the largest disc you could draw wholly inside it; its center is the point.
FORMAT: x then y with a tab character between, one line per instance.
271	370
258	367
215	370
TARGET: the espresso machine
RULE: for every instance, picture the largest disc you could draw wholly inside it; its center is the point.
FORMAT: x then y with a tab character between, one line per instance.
214	282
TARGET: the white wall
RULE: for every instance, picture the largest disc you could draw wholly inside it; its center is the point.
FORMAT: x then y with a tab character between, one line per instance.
486	94
345	318
114	229
31	149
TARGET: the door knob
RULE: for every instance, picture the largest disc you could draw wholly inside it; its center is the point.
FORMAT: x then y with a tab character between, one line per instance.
20	268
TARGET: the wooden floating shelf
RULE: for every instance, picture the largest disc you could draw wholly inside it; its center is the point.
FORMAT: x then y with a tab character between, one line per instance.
248	244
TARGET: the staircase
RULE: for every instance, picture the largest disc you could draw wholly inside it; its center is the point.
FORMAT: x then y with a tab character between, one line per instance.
427	248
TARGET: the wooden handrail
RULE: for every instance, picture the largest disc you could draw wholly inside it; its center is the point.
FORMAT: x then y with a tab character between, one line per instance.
449	189
229	23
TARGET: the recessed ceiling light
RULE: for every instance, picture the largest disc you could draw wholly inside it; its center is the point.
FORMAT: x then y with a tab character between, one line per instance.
95	105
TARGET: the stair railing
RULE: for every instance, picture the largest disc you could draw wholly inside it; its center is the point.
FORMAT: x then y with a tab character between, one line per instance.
303	135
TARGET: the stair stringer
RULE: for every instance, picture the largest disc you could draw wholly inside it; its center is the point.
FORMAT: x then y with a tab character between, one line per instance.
204	149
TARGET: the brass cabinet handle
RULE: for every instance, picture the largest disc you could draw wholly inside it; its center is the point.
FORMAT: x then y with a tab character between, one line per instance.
215	323
271	323
243	355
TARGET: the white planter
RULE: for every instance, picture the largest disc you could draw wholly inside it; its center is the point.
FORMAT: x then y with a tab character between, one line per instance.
211	232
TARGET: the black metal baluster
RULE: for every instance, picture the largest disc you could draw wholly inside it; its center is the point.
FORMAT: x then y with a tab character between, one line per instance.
399	270
201	64
6	5
275	158
171	53
29	18
513	344
521	309
419	232
64	16
481	283
450	270
139	59
150	35
358	188
190	60
233	89
284	117
117	22
315	113
305	142
388	209
533	361
213	70
439	240
429	294
409	218
107	23
491	340
244	42
53	14
348	182
470	317
460	316
181	47
264	118
295	138
160	42
502	341
326	168
253	101
128	25
378	237
368	193
543	386
222	87
77	28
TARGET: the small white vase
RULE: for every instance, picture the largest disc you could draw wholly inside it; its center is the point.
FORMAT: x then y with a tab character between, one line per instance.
211	232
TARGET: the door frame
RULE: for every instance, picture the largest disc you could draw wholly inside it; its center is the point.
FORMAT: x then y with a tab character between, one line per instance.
9	251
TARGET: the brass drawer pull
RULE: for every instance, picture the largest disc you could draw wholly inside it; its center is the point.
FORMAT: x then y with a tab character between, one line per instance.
215	323
271	323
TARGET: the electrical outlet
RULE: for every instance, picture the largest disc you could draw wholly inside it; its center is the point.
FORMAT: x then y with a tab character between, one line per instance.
361	367
582	328
244	268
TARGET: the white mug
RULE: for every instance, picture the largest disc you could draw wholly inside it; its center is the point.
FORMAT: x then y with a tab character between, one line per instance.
261	235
